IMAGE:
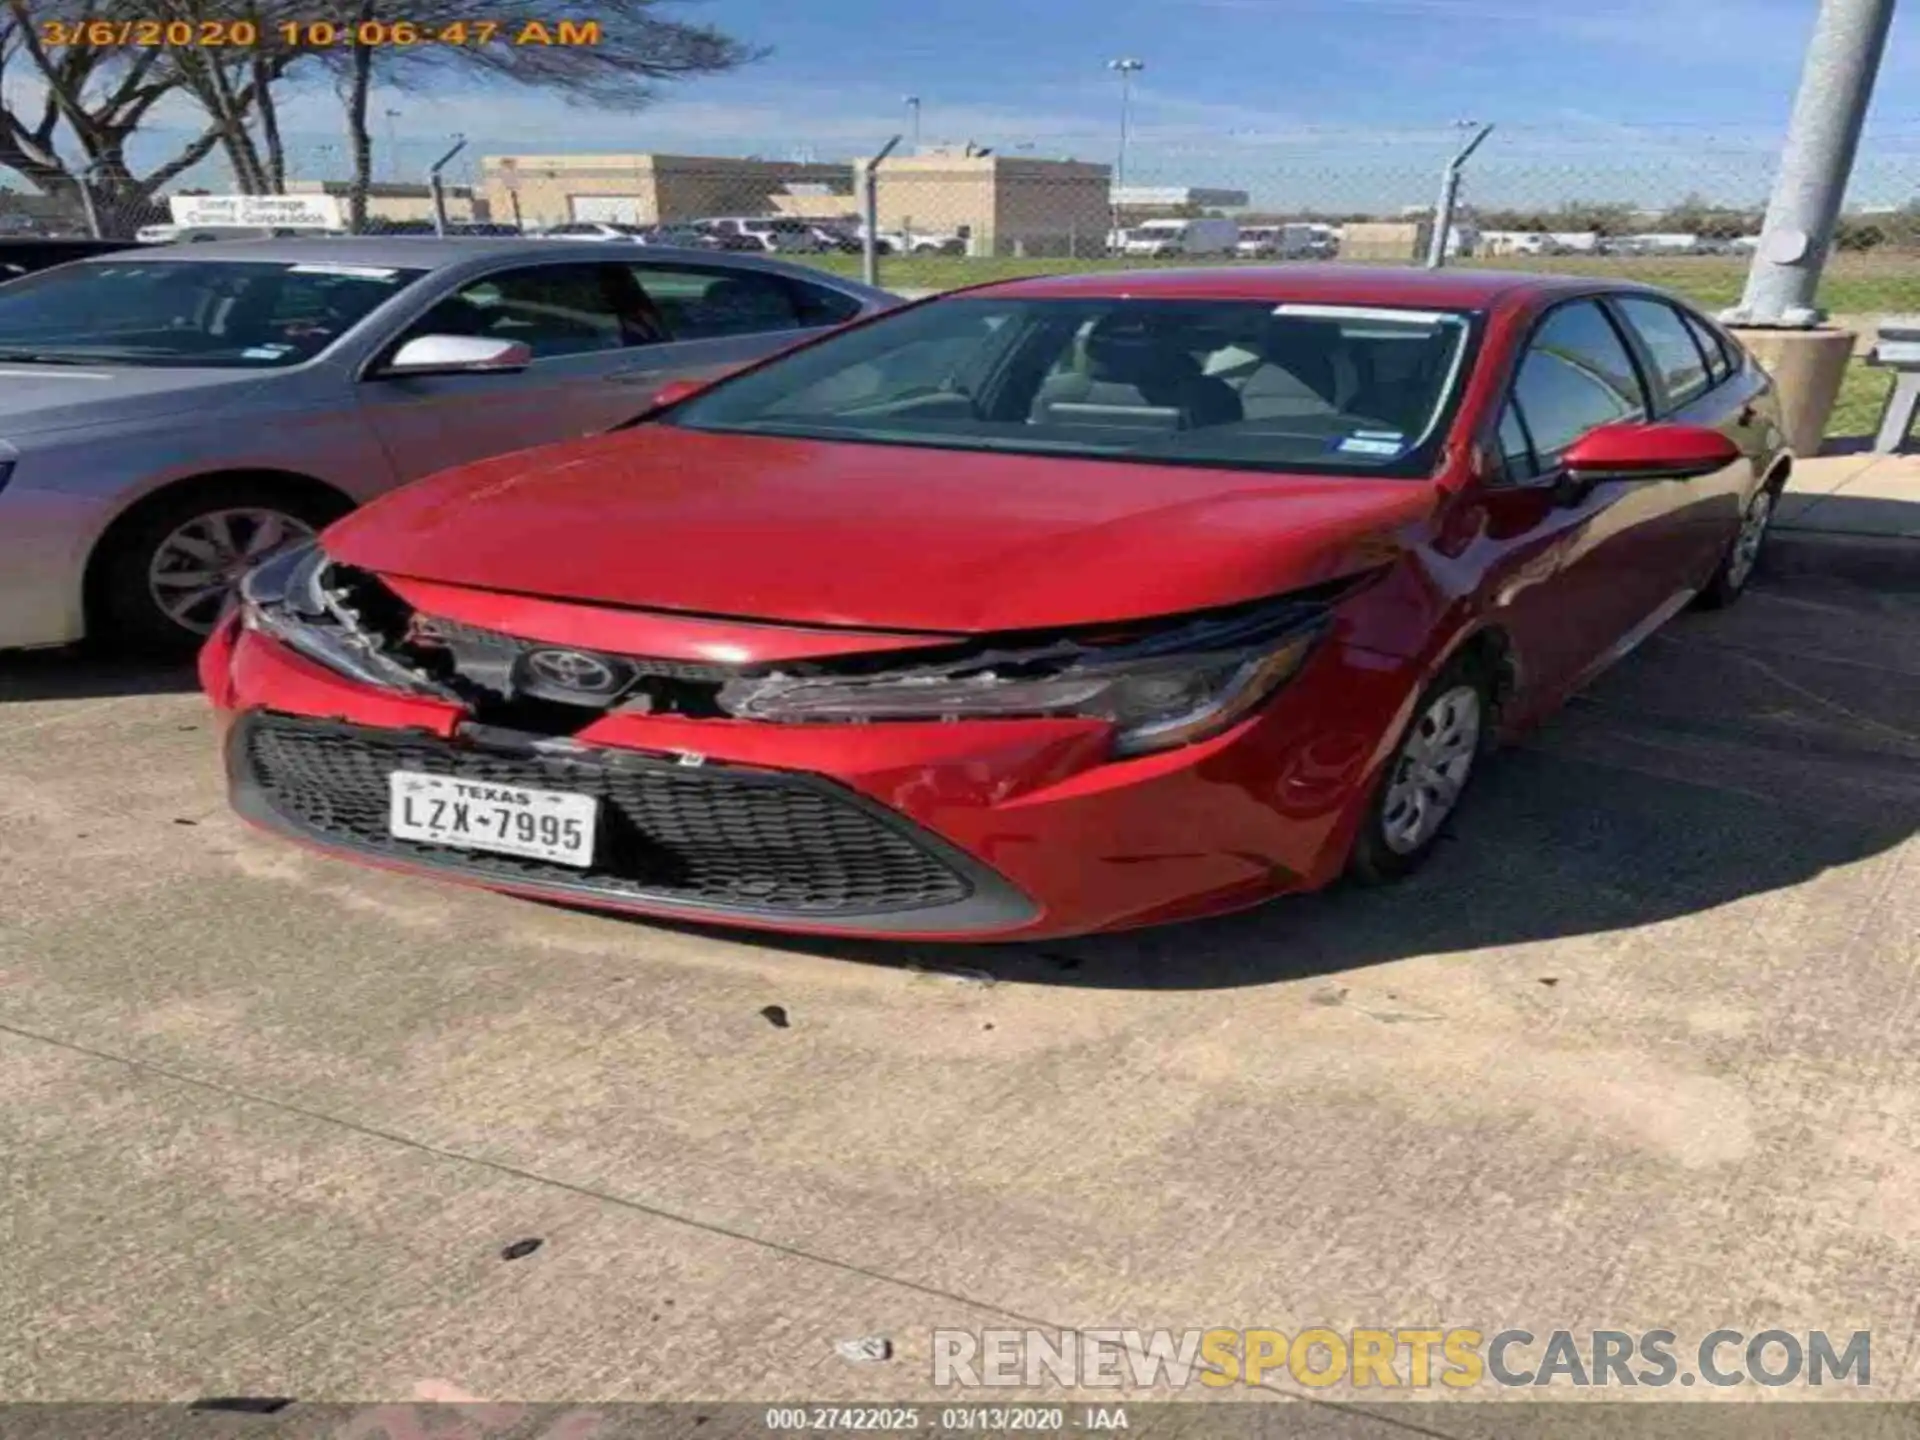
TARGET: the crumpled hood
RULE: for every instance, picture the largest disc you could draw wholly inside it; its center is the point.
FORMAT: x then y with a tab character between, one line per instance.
39	398
883	536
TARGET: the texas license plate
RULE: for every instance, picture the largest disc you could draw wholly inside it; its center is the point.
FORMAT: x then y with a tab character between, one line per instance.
505	819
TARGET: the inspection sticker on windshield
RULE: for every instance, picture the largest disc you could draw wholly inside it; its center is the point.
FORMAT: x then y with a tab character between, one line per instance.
1371	442
358	272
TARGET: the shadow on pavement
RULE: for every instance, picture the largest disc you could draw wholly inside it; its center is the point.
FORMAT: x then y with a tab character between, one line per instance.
78	675
1736	754
1548	848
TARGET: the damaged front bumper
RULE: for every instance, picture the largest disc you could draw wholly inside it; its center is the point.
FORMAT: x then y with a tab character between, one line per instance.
1045	830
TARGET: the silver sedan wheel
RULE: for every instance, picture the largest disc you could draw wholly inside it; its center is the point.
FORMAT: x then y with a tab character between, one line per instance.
1746	545
1431	769
196	567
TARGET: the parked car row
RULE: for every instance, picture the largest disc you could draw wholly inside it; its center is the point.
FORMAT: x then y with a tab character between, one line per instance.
752	234
779	235
748	234
1205	237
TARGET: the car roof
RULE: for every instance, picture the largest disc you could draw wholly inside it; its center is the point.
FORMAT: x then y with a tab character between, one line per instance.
1327	284
433	252
402	251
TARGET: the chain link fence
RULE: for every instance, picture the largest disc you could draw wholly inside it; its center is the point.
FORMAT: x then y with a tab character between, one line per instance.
1680	207
1675	206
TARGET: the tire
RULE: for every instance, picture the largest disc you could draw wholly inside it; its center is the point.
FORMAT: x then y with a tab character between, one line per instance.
1393	842
1736	569
152	555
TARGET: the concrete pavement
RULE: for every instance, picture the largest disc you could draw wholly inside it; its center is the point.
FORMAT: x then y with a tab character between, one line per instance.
1640	1049
1859	493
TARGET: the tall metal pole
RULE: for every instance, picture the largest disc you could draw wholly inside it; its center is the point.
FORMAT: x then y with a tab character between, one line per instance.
870	214
1836	83
393	145
1127	69
440	191
87	203
1449	193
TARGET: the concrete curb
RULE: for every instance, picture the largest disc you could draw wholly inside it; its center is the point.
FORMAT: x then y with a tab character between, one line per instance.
1881	562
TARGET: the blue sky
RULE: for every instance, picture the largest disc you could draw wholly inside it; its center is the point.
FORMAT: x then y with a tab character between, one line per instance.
1336	103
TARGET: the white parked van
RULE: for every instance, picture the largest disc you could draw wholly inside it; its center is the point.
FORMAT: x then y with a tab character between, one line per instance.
1278	242
1162	238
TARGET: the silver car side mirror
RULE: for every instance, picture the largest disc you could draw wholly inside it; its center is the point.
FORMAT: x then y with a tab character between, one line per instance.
457	355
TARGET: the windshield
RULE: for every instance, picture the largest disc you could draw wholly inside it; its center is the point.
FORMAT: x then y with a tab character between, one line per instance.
237	314
1235	383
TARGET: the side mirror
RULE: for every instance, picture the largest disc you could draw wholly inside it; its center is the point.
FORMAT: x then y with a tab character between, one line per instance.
1634	451
457	355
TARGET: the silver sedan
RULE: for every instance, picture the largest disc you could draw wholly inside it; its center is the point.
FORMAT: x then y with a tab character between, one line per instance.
168	416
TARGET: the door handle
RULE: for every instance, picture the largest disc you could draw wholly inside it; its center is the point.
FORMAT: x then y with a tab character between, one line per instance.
637	377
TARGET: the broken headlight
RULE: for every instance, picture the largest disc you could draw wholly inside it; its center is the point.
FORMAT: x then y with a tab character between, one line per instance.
1178	685
296	597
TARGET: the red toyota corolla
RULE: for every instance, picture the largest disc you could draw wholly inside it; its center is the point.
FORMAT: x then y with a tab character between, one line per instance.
1052	606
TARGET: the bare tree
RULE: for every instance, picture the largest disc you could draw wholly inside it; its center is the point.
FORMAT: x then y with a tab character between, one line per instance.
92	98
634	51
356	88
235	85
88	100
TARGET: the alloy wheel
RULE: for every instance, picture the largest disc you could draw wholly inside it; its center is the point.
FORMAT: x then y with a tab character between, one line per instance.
196	567
1746	545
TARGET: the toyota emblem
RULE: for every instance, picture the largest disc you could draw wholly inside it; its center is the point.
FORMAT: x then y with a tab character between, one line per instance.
573	670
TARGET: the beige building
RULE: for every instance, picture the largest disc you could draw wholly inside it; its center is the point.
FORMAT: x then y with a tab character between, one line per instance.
642	189
1004	205
398	201
1396	241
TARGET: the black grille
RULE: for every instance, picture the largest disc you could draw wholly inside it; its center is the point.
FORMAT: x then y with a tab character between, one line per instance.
710	836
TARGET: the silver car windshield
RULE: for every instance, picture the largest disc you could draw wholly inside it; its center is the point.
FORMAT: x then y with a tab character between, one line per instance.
1243	384
149	311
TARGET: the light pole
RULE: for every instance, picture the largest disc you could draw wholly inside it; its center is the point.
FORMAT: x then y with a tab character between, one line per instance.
1843	60
1126	69
1449	192
393	145
439	191
912	103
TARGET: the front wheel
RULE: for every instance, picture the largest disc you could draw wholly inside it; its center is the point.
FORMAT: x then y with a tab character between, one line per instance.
163	581
1421	784
1730	581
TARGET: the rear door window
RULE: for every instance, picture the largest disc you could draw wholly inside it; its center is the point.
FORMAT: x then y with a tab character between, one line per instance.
1719	362
1678	360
